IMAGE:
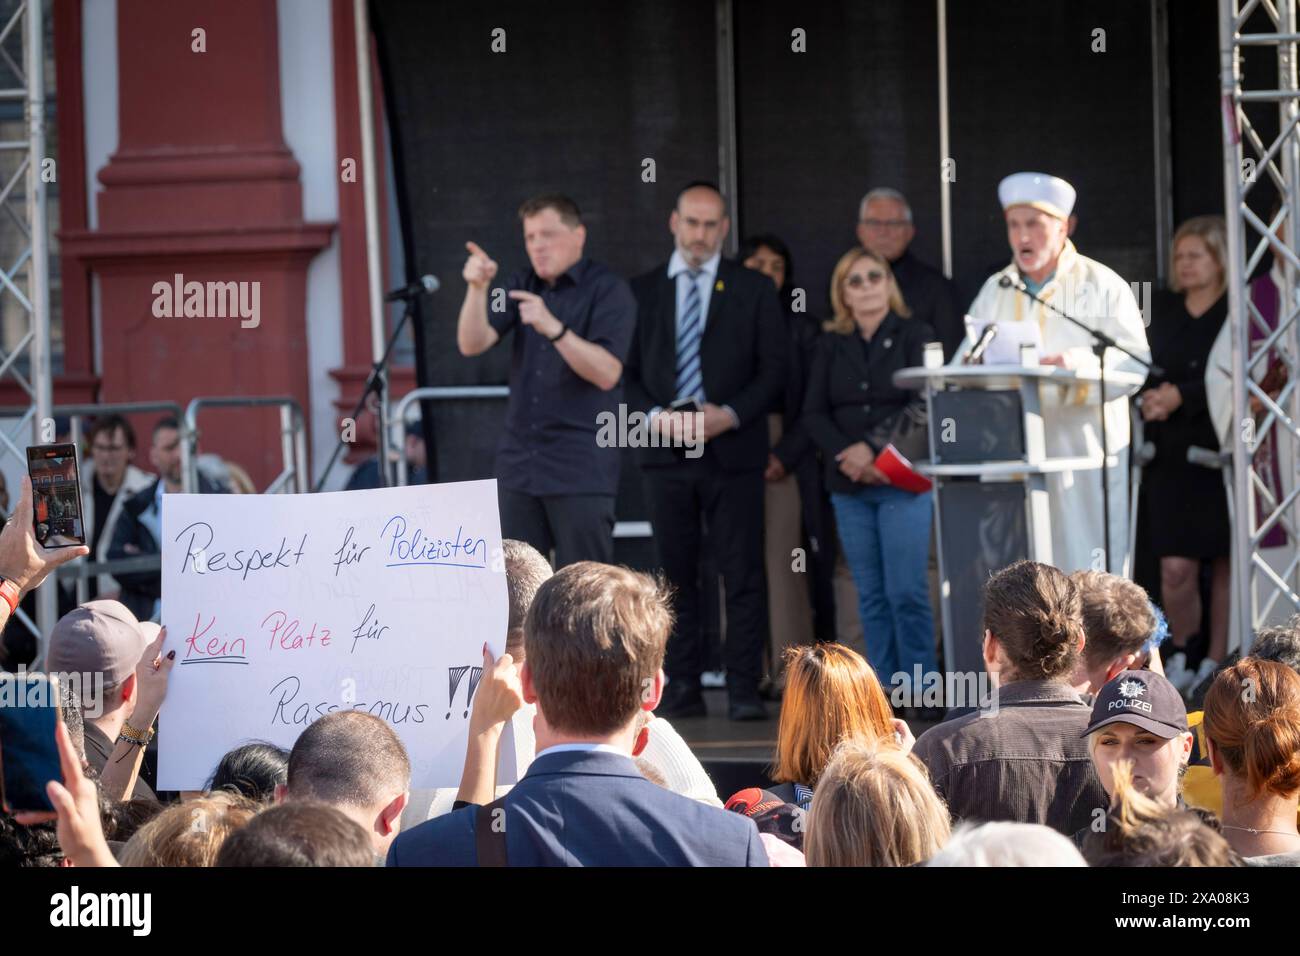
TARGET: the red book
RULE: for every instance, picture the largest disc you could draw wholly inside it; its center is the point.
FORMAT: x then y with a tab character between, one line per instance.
900	472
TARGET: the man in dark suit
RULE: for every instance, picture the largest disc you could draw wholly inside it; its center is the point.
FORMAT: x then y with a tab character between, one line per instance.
885	227
595	636
709	332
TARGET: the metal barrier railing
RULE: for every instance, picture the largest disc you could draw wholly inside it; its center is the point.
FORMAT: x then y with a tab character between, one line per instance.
438	393
293	441
445	393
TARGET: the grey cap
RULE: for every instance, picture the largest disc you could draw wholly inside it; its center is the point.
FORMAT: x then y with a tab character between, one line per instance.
99	637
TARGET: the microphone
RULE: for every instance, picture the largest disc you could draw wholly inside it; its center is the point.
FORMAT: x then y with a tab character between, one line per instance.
426	284
976	354
1006	282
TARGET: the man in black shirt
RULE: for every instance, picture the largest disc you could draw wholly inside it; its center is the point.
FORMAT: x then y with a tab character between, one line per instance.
573	321
885	227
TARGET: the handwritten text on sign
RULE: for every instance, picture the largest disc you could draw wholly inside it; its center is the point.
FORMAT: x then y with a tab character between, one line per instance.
285	608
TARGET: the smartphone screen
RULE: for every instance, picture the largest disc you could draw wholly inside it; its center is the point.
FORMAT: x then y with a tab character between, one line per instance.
29	754
56	495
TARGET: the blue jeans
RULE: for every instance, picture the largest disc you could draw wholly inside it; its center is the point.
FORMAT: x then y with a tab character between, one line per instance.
885	532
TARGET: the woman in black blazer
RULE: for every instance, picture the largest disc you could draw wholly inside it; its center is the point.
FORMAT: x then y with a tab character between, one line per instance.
851	410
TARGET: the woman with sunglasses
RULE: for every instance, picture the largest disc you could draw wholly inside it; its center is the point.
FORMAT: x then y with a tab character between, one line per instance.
851	410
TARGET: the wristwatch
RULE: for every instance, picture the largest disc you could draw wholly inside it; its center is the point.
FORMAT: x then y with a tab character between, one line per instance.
564	329
132	736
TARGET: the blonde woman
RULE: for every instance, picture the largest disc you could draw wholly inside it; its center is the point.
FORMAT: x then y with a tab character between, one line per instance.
1184	507
1139	731
874	807
189	834
851	410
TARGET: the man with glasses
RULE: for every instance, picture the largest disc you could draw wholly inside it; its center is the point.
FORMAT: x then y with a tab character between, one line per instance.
108	479
885	227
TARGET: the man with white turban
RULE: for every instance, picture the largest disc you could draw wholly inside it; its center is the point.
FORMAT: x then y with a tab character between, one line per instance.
1038	208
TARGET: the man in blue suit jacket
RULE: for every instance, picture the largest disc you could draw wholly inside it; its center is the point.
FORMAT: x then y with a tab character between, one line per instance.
595	636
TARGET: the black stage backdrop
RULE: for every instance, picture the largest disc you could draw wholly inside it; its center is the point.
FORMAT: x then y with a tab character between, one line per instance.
588	90
815	131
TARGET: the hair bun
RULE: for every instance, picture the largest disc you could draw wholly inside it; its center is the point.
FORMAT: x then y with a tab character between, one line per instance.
1272	750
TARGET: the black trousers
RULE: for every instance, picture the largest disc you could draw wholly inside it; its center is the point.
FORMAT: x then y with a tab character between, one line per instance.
819	534
689	501
578	527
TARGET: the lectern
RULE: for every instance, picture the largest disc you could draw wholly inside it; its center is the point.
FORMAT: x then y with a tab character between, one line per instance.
989	465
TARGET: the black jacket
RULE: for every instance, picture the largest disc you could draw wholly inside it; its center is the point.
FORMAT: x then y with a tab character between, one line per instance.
931	297
743	358
853	398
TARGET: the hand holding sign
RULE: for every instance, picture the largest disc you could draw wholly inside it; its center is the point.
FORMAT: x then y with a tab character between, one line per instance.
500	693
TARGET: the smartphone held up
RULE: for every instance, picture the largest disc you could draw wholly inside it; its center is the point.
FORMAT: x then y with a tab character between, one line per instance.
56	495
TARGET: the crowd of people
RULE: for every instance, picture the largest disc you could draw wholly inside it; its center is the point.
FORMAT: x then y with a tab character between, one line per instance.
1083	756
769	427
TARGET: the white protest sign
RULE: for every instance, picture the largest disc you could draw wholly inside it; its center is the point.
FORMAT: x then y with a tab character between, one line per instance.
284	608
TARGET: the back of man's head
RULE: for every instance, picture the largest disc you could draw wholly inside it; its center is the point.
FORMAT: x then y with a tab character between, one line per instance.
526	569
299	834
596	636
1117	617
348	759
101	642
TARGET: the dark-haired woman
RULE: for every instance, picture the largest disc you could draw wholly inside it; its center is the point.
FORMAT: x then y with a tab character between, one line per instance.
1023	756
253	770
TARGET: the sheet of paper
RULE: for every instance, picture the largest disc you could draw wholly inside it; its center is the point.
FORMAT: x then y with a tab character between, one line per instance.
284	608
1005	347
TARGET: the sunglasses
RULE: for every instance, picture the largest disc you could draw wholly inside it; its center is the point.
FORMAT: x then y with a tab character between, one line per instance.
855	281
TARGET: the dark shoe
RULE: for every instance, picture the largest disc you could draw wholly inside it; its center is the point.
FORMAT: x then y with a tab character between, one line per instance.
681	699
746	708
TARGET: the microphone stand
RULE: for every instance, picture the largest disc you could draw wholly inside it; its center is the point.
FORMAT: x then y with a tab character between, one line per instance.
375	383
1100	343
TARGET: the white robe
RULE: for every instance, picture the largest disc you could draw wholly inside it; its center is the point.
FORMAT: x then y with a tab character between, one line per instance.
1098	297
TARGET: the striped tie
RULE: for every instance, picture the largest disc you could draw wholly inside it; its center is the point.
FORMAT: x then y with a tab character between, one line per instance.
690	380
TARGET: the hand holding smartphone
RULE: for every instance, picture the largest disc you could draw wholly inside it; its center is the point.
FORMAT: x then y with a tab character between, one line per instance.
56	496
